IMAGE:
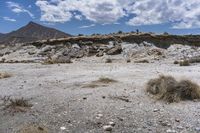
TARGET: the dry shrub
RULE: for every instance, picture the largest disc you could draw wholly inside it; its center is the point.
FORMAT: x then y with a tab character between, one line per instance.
60	59
142	61
176	62
170	90
195	59
33	129
90	86
184	63
108	60
101	82
4	75
105	80
128	60
16	105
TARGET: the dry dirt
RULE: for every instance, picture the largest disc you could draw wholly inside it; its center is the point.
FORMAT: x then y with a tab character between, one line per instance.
63	103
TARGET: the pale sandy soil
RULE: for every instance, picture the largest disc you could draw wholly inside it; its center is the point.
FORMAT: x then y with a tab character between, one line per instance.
60	99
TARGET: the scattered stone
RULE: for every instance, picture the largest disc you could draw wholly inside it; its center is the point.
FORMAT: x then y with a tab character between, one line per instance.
103	97
156	110
99	116
171	131
112	123
107	128
177	120
197	129
179	127
62	128
115	50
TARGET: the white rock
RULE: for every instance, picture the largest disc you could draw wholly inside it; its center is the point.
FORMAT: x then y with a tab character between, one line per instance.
171	131
112	123
107	128
62	128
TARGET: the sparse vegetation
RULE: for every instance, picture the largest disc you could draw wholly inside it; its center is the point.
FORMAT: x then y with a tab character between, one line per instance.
170	90
63	59
4	75
101	82
108	60
176	62
184	63
33	129
106	80
16	105
142	61
128	60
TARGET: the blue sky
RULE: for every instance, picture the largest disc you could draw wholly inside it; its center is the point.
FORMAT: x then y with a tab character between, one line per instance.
95	16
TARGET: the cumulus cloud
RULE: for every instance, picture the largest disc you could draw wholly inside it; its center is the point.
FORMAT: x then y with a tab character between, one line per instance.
179	13
17	8
9	19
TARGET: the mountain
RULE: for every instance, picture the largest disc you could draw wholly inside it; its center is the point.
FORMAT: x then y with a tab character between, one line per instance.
31	32
2	35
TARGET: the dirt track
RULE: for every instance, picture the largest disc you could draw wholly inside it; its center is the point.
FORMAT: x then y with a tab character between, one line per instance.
61	98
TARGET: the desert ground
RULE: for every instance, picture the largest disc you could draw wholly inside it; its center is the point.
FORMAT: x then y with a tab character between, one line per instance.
69	98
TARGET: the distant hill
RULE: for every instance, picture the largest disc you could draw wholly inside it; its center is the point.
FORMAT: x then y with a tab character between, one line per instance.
31	32
2	35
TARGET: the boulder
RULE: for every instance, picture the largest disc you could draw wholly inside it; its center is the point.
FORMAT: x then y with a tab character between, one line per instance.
115	50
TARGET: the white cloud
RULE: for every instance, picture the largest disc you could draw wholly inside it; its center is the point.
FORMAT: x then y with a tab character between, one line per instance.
9	19
16	8
87	26
179	13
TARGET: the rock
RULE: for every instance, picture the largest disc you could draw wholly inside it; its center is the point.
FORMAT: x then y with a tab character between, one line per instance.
115	50
62	128
156	110
179	127
177	120
107	128
112	123
197	129
171	131
99	54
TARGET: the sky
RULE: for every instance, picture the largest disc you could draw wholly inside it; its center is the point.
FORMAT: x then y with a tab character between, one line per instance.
103	16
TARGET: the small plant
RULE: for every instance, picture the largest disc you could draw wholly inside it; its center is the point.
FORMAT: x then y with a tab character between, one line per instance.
108	60
170	90
142	61
128	60
120	32
4	75
176	62
106	80
16	105
33	129
184	63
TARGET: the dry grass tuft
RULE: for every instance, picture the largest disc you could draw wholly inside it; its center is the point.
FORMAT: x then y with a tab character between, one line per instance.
101	82
142	61
4	75
33	129
108	60
184	63
176	62
16	105
170	90
60	59
105	80
90	86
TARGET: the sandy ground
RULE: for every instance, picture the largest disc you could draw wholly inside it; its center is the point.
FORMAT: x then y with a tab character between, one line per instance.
61	98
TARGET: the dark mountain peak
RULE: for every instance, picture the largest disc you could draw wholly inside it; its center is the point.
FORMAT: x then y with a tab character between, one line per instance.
33	32
32	23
